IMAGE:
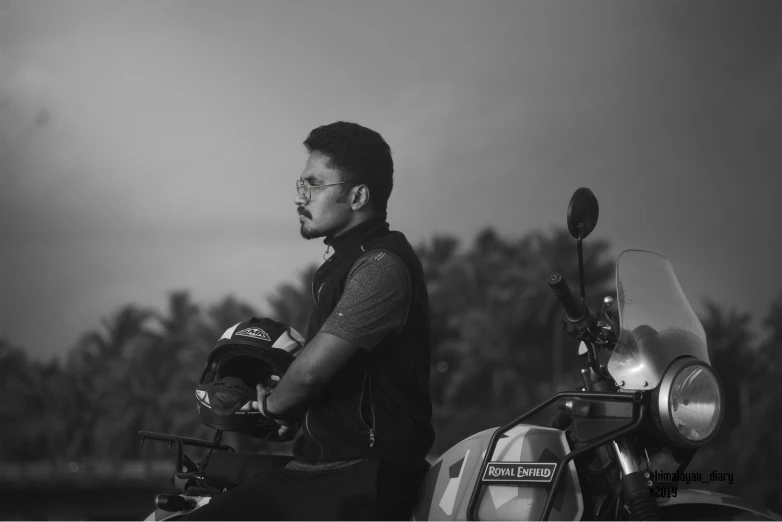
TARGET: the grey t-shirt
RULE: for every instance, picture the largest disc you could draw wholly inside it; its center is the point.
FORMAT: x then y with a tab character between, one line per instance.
374	304
375	301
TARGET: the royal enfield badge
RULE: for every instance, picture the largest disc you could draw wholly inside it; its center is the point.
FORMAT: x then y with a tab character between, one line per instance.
519	472
254	332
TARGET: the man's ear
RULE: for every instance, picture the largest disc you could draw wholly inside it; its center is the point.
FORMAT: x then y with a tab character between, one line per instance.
361	197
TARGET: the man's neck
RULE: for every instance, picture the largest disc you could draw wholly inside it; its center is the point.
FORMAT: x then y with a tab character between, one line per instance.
359	228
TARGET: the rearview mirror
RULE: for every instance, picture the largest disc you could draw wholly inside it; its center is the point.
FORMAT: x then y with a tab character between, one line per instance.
583	210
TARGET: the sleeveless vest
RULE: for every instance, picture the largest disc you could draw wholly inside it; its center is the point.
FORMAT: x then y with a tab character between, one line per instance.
377	406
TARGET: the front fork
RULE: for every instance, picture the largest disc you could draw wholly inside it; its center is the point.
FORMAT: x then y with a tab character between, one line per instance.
636	486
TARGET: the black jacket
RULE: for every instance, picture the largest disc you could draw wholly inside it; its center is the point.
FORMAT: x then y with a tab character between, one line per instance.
377	406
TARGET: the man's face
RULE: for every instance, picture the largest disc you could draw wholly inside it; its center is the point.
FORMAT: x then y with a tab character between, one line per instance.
322	215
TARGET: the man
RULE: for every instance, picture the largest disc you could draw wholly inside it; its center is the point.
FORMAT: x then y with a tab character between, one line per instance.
362	379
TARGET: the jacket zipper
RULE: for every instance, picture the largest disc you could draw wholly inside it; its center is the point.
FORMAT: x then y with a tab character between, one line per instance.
371	408
307	425
312	287
313	293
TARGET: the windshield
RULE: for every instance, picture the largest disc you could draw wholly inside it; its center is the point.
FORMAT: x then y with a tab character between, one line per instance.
657	324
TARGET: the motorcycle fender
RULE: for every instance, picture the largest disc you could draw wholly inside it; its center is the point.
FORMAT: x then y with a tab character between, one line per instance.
162	514
695	497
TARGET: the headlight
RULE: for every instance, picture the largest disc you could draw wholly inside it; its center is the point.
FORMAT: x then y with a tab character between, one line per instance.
689	402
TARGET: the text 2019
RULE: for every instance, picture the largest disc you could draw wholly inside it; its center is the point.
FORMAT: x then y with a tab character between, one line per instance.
666	492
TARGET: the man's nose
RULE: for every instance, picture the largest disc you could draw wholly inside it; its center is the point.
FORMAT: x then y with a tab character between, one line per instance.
299	200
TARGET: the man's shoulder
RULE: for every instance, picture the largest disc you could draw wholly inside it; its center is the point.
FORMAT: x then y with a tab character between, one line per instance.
380	260
391	240
394	242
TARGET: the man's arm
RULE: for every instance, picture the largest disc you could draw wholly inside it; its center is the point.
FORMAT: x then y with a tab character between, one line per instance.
312	369
374	304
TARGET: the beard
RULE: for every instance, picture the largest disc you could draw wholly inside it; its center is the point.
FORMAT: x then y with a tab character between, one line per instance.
310	232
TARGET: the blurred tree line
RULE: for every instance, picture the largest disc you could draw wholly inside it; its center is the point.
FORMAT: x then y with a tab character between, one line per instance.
498	348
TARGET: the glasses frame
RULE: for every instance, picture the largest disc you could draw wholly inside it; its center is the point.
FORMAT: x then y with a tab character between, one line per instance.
304	187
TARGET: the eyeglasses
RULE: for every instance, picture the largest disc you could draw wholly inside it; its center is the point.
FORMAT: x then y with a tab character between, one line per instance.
304	188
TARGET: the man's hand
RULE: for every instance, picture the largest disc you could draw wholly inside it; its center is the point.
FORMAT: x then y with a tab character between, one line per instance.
287	429
306	376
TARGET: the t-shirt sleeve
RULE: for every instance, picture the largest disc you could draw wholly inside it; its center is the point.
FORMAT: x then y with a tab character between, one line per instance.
375	301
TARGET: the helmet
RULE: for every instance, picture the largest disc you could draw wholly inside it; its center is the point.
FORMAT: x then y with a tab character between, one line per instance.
256	351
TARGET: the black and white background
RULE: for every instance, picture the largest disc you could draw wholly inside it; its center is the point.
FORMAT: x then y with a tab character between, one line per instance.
148	152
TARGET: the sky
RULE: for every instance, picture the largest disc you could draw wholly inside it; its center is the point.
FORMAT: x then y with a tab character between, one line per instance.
152	146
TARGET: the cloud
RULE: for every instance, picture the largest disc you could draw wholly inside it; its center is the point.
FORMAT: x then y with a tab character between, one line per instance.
25	115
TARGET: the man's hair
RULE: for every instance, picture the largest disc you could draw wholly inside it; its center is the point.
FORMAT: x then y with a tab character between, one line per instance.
361	156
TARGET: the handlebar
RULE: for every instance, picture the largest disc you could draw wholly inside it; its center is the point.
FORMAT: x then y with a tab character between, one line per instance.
186	441
573	308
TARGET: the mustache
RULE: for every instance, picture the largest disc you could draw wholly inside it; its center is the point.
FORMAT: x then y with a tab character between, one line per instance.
303	212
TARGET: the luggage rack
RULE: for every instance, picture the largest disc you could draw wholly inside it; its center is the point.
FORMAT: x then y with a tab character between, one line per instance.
638	417
182	460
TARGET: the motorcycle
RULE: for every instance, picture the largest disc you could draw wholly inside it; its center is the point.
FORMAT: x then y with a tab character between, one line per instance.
617	447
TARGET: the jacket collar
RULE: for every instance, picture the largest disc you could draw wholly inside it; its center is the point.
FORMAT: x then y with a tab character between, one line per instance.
353	237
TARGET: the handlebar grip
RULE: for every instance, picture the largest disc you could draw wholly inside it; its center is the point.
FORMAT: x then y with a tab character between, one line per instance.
561	289
173	503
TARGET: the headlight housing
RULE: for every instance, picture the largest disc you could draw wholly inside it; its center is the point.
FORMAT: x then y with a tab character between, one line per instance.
690	404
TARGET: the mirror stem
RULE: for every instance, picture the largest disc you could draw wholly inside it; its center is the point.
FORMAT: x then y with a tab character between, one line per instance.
581	261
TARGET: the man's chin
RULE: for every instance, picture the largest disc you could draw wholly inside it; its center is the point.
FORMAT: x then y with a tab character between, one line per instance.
309	232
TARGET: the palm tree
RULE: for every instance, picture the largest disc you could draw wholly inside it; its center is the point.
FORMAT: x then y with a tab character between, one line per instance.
177	354
146	366
473	353
750	381
98	364
43	411
22	404
437	259
500	320
65	408
729	340
758	472
436	255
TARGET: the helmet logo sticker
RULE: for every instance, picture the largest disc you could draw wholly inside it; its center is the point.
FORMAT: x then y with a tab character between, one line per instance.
228	333
257	333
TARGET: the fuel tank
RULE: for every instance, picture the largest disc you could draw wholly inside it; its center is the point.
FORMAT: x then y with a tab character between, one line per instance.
528	455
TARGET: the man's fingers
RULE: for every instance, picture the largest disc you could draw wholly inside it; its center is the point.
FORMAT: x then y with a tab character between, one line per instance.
286	432
261	391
